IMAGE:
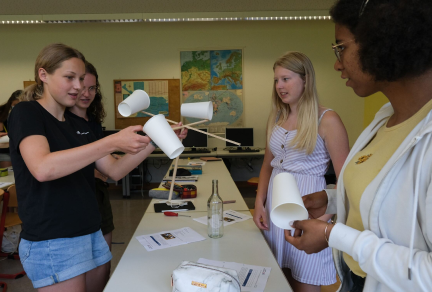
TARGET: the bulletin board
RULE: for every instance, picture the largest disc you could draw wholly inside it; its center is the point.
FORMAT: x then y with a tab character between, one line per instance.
164	99
28	83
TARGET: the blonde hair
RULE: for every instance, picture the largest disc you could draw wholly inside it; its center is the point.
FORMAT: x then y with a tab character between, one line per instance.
50	58
308	105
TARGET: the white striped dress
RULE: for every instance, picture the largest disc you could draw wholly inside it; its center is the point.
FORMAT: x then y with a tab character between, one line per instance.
308	170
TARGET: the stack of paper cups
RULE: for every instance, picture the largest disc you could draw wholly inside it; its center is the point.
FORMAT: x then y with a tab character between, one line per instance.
199	110
287	203
158	129
137	101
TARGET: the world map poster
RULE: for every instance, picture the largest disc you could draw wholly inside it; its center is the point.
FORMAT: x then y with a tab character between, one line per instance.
215	76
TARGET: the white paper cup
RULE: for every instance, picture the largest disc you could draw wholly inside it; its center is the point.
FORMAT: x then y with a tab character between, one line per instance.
287	203
137	101
158	129
199	110
4	139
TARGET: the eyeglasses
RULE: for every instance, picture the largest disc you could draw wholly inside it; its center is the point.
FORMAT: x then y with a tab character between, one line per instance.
365	2
337	49
91	89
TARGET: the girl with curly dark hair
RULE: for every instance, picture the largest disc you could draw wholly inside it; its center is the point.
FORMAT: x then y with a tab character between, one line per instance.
89	106
96	109
6	108
383	237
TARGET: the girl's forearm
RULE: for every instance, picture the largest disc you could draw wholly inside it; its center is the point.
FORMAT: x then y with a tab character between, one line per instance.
47	166
116	169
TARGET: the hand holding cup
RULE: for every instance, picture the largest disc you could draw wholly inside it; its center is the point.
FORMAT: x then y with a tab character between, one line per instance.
309	235
128	141
181	133
316	204
158	129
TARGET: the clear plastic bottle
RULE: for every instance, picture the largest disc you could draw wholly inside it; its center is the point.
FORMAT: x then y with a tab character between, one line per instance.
215	226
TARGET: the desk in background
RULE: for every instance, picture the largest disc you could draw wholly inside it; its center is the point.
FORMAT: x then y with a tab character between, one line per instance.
126	181
226	153
227	188
219	153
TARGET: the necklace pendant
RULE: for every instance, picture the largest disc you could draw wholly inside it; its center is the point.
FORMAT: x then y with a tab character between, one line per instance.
363	158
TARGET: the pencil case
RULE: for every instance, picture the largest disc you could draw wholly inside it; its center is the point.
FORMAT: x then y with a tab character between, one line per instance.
162	193
195	277
185	191
189	192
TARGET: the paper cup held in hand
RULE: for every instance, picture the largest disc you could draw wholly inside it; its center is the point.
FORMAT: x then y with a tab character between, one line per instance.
199	110
137	101
287	203
158	129
4	139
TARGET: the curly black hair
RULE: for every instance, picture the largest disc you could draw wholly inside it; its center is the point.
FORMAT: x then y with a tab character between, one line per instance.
5	108
96	108
394	36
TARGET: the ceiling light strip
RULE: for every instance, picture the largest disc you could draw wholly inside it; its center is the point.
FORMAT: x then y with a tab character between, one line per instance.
195	19
22	21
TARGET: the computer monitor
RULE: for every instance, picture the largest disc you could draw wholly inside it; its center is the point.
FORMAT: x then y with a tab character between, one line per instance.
195	139
244	136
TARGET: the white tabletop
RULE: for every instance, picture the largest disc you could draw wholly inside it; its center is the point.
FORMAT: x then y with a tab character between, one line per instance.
227	188
140	270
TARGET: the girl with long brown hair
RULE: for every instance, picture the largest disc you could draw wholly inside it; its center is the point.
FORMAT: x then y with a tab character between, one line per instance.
54	154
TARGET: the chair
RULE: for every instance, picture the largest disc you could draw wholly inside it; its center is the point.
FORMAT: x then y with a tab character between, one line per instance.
9	219
253	181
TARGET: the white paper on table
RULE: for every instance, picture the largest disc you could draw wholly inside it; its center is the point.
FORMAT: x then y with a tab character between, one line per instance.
230	217
5	184
166	239
196	162
252	278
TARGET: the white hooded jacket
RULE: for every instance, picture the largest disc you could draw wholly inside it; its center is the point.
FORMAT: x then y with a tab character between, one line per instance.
396	209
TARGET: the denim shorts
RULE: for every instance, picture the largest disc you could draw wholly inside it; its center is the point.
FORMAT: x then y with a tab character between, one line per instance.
52	261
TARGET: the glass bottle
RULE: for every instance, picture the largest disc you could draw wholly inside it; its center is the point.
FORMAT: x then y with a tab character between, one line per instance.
215	226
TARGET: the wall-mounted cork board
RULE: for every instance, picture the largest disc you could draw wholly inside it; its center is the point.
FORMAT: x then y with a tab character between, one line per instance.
164	99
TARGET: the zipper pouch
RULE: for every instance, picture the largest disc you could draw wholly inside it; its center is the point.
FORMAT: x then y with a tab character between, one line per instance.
194	277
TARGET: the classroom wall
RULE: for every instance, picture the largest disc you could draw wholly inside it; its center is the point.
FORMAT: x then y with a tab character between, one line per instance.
151	50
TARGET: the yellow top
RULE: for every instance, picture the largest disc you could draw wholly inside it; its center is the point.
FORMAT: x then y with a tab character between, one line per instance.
366	165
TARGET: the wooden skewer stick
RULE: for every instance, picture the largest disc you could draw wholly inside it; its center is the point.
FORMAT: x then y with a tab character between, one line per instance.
152	115
191	124
208	134
173	178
